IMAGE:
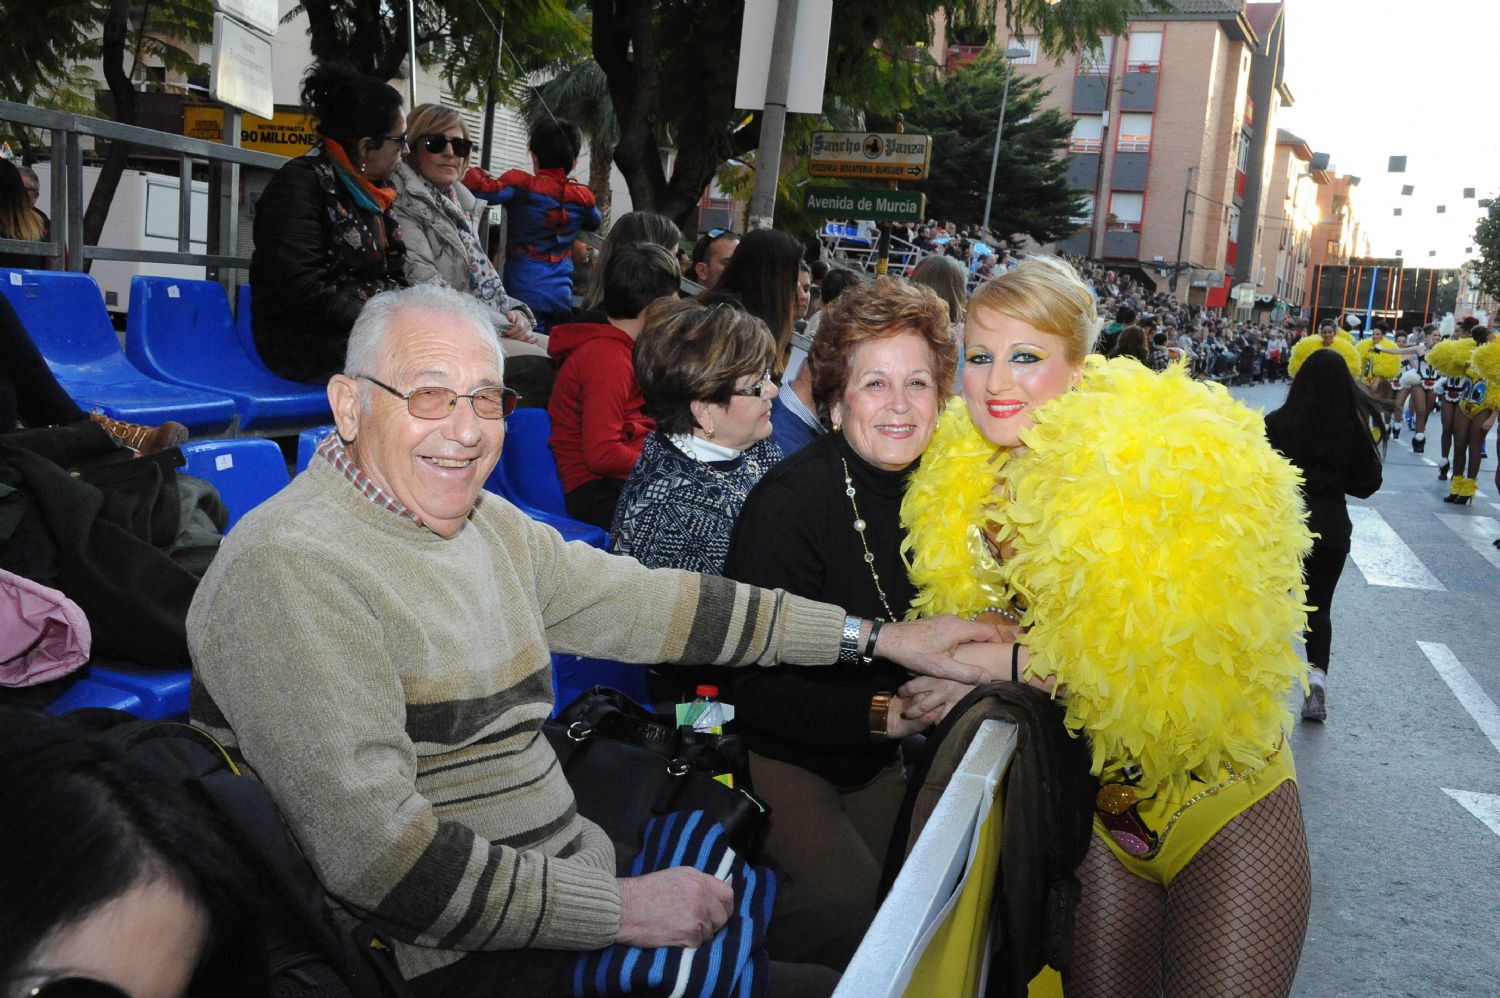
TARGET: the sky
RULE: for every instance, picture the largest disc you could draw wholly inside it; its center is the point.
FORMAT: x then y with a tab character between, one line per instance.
1378	78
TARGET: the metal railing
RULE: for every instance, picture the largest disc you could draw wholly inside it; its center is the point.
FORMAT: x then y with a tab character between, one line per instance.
889	960
67	244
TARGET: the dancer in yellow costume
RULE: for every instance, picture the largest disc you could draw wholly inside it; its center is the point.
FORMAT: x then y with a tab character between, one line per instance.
1329	337
1475	412
1147	542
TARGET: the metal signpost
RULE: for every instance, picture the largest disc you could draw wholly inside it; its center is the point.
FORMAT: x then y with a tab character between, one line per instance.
870	155
240	78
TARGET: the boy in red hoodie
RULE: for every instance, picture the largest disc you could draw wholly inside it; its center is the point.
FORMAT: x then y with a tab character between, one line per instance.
599	421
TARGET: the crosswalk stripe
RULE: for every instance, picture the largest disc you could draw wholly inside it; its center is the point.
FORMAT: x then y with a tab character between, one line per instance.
1479	532
1469	693
1429	461
1383	558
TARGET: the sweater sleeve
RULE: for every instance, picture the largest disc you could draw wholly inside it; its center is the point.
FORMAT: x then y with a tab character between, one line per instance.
337	759
611	382
421	262
609	606
290	237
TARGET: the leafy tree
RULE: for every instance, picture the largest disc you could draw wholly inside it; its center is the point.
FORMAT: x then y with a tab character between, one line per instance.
1487	249
1032	195
580	93
672	66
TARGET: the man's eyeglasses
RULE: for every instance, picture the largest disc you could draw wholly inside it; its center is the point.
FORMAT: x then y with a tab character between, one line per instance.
71	986
757	390
436	143
437	403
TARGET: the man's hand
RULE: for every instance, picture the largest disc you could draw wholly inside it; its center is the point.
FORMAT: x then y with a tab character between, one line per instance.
676	907
926	646
925	697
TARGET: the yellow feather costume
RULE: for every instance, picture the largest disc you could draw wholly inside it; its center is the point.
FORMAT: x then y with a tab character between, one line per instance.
1343	347
1158	560
1450	358
1379	366
1484	365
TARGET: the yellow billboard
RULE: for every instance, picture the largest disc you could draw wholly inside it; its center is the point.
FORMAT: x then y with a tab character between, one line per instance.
286	133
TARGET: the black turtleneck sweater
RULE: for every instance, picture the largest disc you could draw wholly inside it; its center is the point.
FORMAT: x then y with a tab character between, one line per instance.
796	532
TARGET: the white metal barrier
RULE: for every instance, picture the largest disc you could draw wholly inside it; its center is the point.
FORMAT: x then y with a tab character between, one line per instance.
932	933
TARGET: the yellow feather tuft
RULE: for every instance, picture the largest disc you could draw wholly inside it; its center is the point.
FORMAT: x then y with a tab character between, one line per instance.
1377	366
1484	363
1450	358
1304	349
1159	543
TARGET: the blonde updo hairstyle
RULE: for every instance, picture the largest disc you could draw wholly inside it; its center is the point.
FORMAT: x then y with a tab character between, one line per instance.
1045	293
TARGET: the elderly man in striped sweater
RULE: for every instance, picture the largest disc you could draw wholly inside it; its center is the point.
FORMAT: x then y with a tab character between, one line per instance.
373	643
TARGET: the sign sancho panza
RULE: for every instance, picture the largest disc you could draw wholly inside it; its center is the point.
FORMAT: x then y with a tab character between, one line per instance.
866	203
871	155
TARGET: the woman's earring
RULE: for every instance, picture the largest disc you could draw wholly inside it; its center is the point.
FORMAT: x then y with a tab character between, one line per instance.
710	431
837	427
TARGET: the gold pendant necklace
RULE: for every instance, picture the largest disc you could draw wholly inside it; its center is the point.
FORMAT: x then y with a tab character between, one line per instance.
859	528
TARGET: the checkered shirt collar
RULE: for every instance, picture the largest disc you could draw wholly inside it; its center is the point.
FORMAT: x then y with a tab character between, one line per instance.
332	449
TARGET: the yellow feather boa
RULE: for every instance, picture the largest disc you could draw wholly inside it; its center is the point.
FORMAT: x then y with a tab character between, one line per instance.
1343	347
1450	358
1484	365
1377	366
1159	542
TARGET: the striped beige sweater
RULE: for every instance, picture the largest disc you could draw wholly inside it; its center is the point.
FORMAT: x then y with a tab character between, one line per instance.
388	686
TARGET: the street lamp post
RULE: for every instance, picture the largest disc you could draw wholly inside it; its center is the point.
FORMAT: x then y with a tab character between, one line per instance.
1012	52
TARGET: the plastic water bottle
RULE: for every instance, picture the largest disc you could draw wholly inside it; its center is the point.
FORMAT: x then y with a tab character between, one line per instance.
708	715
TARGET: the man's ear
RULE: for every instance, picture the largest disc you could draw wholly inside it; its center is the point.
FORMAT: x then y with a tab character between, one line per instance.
343	399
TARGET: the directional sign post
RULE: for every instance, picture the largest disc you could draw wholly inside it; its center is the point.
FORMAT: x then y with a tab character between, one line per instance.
870	155
866	204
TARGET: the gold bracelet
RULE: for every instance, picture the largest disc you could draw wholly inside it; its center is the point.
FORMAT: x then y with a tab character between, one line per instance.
880	715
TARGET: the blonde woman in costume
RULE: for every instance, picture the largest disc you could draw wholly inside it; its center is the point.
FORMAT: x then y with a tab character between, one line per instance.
1091	507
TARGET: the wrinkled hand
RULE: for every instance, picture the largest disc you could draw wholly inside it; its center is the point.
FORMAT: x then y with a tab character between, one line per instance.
906	719
677	907
926	646
924	696
520	327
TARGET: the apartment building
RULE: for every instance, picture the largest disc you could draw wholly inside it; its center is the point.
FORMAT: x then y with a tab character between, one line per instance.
1287	222
1337	236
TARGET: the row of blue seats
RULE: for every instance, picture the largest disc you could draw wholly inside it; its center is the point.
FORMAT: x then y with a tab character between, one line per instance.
186	358
247	471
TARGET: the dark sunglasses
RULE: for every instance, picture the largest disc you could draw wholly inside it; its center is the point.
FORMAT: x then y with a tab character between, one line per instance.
757	390
437	403
73	986
436	143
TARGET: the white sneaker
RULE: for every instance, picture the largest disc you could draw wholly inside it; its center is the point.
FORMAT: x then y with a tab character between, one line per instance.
1315	706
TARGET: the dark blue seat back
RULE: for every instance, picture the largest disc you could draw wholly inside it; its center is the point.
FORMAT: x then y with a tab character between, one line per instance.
530	469
307	444
247	471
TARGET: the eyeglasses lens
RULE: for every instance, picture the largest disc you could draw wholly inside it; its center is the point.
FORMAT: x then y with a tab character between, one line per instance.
75	987
435	144
436	403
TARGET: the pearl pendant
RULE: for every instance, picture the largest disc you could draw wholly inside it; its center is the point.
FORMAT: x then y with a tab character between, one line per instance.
859	525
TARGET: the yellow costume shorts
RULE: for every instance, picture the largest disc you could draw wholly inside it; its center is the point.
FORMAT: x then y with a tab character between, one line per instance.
1184	823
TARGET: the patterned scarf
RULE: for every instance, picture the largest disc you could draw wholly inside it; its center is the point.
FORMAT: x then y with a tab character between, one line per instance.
366	194
484	281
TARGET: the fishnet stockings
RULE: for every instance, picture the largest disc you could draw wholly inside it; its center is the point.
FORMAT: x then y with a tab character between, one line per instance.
1231	924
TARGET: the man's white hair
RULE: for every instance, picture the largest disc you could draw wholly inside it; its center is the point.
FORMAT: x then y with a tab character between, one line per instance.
366	350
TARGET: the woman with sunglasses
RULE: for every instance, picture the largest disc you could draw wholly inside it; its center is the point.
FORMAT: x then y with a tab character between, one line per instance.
1147	541
114	883
325	239
439	224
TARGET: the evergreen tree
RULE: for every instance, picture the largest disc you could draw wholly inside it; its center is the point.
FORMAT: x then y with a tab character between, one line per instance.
1487	247
1032	196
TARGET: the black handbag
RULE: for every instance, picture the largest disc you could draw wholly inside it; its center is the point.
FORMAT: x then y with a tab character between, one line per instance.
627	765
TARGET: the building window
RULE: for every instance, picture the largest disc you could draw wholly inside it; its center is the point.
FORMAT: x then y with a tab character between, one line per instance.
1143	52
1085	214
1125	211
1333	248
1032	45
1088	133
1135	133
1098	61
1244	159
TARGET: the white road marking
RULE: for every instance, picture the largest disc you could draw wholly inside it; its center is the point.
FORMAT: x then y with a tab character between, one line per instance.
1496	505
1485	807
1383	558
1429	461
1479	532
1471	696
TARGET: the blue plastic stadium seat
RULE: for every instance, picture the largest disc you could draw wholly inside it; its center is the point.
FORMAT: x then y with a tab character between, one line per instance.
65	315
181	331
529	468
307	444
163	695
247	471
571	675
86	691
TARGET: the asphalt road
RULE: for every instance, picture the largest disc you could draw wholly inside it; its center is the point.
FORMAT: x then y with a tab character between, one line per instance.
1401	786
